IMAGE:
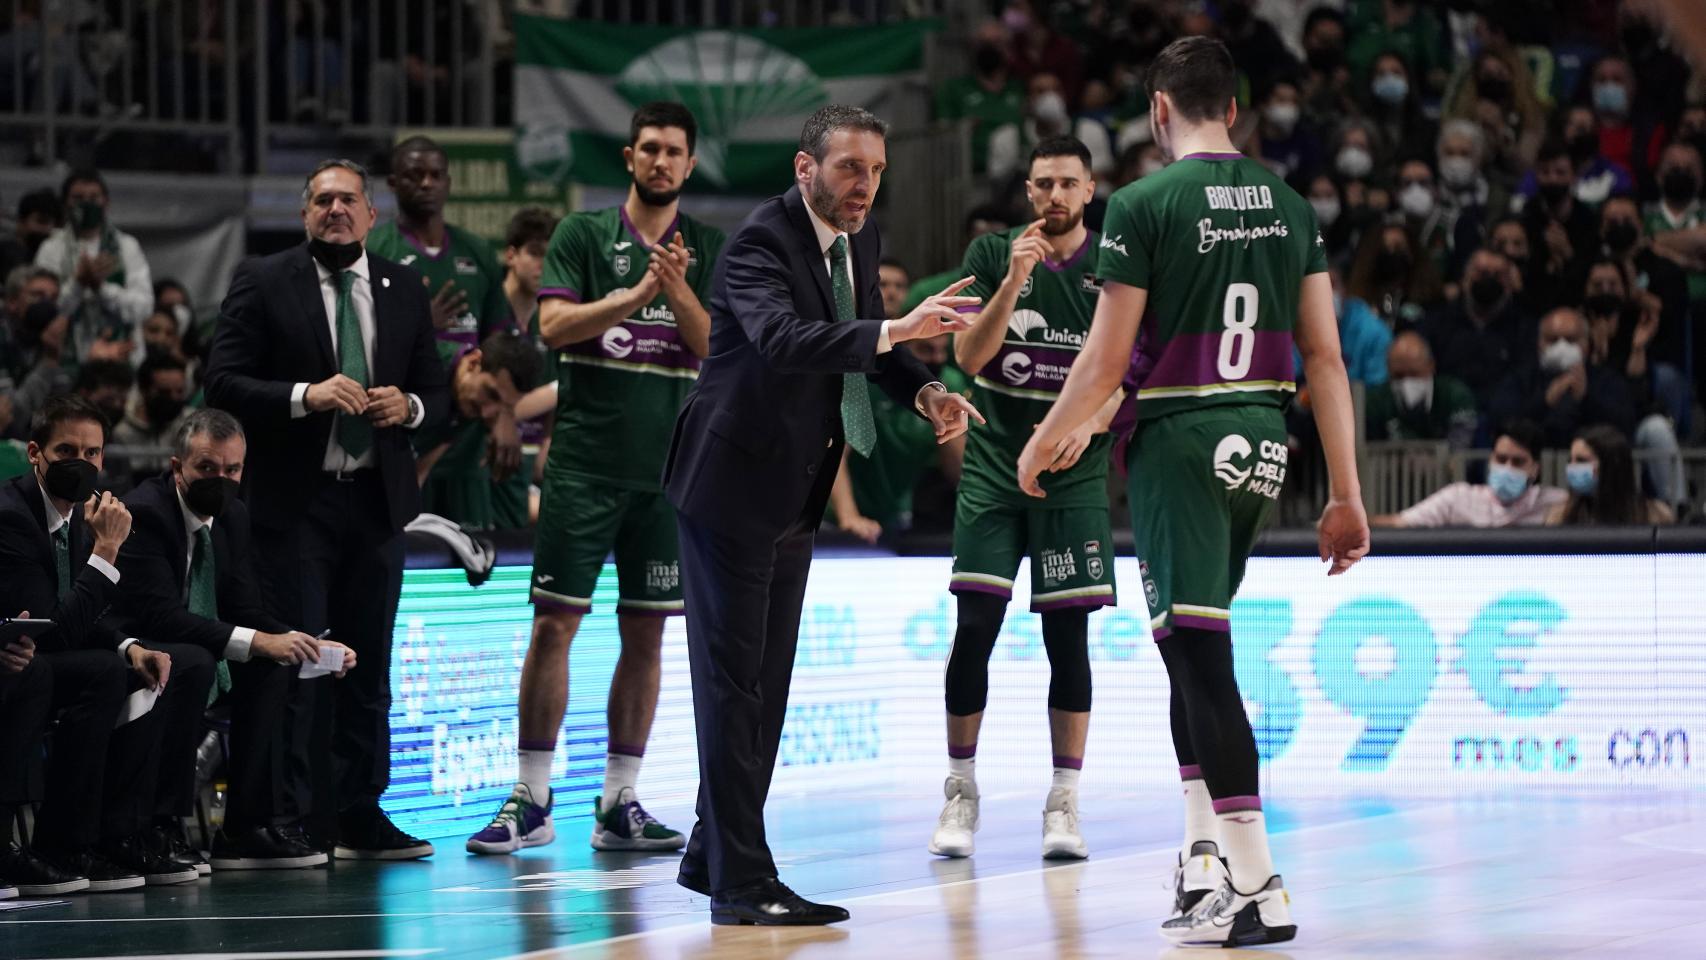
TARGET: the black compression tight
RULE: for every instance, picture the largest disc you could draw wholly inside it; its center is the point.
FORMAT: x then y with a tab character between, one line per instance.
1065	636
1210	727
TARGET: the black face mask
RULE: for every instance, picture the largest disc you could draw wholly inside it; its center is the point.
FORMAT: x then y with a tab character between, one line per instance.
114	415
1679	187
989	59
72	479
1486	292
1554	193
1583	147
1496	89
162	408
1326	59
335	257
1603	305
1391	266
1620	235
209	496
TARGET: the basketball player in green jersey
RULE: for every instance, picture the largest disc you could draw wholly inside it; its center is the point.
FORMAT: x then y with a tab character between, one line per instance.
621	301
1213	268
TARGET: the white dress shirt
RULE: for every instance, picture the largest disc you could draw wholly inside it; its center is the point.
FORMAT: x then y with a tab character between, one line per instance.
237	648
55	520
826	236
361	297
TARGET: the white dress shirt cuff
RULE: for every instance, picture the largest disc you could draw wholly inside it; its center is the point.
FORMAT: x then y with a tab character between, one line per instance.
420	412
883	343
299	401
237	648
106	568
124	648
918	401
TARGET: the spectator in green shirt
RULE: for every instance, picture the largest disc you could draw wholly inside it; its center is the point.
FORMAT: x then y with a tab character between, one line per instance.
990	96
983	219
1418	403
1405	27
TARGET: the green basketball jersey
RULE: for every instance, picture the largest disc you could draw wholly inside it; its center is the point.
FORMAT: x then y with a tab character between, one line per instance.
465	259
1016	388
618	393
1222	245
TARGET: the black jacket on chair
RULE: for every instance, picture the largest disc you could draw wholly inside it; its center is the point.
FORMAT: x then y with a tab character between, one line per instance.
273	333
758	438
29	577
153	564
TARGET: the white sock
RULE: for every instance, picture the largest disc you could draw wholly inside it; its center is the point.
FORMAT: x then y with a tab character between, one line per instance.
621	771
536	774
1246	849
1065	778
964	768
1200	822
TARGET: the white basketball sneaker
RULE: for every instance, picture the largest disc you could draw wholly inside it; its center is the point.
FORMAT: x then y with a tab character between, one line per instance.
1197	876
1061	839
953	836
1227	918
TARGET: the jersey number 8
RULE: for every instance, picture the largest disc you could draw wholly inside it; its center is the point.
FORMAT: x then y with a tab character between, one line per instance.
1238	343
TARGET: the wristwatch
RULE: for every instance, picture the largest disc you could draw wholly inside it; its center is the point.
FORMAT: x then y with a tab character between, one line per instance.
414	410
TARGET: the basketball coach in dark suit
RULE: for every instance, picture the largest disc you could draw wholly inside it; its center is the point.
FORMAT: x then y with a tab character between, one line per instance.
327	352
754	454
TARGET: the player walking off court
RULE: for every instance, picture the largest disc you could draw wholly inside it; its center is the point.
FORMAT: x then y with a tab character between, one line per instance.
1038	285
1212	267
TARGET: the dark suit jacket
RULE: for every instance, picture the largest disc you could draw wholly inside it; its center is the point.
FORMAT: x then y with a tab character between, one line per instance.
759	438
273	333
153	565
29	578
1607	401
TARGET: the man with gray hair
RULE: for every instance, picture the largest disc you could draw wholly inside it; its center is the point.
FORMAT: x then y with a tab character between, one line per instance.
328	351
796	335
187	579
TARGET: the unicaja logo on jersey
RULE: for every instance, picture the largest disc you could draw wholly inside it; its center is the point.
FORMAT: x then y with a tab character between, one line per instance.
1016	368
1022	322
1231	445
618	342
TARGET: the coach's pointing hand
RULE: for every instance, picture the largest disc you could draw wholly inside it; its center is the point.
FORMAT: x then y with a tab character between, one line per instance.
937	315
950	413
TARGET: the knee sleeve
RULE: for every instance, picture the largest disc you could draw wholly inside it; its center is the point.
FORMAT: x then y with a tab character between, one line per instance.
967	680
1200	664
1066	636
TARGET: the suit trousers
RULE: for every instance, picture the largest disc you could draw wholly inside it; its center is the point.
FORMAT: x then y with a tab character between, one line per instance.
26	702
89	688
340	568
743	620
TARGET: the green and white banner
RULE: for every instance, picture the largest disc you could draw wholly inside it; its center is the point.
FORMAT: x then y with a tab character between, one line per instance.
577	83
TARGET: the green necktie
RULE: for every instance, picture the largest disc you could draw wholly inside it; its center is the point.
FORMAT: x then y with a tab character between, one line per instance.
856	420
62	556
204	600
355	434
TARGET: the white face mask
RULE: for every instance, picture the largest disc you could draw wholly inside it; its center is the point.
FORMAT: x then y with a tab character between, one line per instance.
1562	355
1414	392
1416	200
1282	115
1150	165
1355	162
1326	209
1049	107
1457	171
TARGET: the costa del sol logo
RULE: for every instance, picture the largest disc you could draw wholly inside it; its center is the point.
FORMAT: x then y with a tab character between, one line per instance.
1016	368
1232	445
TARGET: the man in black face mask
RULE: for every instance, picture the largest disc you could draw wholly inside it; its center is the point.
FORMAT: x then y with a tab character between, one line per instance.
989	96
1480	336
188	579
163	387
1563	234
108	287
39	214
1625	240
58	545
328	352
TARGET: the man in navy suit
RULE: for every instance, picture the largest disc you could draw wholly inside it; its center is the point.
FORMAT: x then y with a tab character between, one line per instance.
328	352
750	467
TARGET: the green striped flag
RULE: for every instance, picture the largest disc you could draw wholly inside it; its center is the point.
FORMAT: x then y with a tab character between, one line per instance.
577	83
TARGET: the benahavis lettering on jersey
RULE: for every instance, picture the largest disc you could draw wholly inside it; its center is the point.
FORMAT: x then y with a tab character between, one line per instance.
1212	235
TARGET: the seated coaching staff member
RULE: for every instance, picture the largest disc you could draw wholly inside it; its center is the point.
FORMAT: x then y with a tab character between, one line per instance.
750	467
187	576
58	543
327	352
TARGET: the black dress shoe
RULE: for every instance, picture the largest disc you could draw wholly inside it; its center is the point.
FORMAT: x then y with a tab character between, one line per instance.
137	854
262	848
104	875
366	833
298	833
169	842
768	903
698	883
35	877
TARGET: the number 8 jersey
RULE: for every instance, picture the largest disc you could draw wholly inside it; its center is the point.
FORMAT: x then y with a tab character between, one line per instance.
1222	245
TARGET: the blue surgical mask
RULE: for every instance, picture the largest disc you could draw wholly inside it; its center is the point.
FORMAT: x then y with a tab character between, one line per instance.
1391	88
1611	98
1507	482
1582	479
